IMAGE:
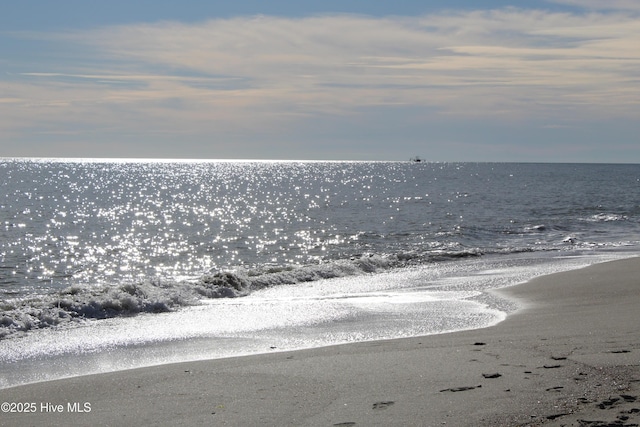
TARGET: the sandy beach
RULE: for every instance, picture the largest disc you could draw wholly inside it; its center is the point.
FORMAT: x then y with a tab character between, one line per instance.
569	357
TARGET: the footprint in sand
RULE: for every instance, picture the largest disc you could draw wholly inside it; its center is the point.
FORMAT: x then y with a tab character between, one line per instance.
383	405
494	375
608	403
456	389
554	416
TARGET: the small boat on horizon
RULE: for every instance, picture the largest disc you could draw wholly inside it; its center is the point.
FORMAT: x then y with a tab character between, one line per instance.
416	159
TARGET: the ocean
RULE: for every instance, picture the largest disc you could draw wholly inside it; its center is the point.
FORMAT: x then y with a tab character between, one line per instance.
114	264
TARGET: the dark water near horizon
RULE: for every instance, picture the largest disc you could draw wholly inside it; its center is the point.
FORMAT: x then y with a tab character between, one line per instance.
82	240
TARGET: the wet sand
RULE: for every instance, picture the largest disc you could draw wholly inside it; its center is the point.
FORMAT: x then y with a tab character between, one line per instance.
569	357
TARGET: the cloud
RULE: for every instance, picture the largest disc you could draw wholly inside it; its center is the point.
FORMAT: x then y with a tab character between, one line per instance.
267	74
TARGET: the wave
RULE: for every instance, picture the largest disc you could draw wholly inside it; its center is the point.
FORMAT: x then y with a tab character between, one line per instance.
535	228
606	217
77	304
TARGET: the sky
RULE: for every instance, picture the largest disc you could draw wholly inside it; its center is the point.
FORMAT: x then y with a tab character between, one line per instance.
454	80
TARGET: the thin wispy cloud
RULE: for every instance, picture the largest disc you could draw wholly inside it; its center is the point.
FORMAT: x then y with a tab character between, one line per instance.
264	73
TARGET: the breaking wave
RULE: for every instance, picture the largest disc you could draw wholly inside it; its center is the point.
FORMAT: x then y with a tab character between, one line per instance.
81	303
77	304
606	217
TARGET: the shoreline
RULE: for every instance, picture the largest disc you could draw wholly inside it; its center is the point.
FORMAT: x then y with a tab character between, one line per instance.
571	353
